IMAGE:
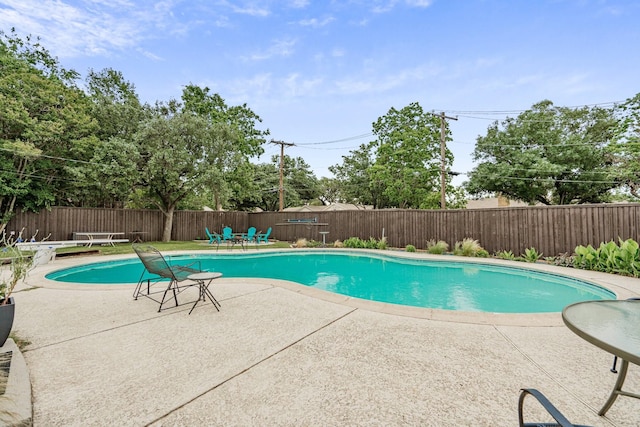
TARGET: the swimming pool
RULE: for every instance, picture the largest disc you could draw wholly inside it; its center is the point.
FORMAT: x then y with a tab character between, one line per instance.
448	285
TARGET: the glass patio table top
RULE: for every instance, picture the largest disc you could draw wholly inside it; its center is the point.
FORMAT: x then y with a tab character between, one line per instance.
613	326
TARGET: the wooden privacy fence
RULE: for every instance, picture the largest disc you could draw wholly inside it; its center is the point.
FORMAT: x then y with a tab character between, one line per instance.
550	229
62	222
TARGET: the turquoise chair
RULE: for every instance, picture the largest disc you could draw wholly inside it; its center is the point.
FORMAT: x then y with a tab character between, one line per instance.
227	234
263	237
251	234
213	237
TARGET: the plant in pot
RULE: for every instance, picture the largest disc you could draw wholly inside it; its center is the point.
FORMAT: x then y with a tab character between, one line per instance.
19	264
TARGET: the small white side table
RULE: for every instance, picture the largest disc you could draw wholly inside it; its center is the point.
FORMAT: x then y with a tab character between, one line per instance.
324	234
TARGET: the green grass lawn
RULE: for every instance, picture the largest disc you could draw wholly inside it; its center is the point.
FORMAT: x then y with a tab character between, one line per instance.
126	248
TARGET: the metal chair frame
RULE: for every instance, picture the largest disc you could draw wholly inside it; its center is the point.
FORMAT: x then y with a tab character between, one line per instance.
156	264
561	420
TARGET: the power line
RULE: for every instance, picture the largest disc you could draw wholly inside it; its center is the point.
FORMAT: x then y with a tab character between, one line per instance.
502	112
349	138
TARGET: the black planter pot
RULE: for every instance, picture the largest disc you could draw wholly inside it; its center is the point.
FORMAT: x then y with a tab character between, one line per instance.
6	319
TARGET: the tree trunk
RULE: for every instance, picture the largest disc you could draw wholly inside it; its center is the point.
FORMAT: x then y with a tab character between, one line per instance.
168	224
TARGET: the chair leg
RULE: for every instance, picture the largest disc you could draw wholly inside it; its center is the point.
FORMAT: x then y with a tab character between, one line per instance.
164	296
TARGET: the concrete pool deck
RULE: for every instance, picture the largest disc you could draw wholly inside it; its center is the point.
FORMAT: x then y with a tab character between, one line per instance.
284	354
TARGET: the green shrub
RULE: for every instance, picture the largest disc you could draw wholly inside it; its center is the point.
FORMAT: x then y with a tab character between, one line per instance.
382	243
482	253
506	255
372	243
610	258
468	247
313	243
530	255
562	260
437	248
353	242
410	248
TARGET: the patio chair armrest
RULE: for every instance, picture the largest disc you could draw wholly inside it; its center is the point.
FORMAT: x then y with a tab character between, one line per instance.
188	267
548	406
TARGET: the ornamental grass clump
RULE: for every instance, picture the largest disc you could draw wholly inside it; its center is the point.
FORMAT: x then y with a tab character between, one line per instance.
19	265
300	243
437	248
470	247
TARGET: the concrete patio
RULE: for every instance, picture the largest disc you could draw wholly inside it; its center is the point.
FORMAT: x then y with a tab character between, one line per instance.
281	354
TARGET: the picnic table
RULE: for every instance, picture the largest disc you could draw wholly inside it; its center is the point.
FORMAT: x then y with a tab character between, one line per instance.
100	237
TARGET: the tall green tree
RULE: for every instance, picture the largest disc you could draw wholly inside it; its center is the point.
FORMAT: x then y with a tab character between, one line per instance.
329	190
229	185
401	168
626	150
353	176
299	175
181	155
268	183
115	105
44	120
299	183
112	174
110	177
408	157
549	155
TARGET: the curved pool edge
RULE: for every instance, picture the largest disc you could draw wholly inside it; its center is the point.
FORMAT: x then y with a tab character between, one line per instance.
622	287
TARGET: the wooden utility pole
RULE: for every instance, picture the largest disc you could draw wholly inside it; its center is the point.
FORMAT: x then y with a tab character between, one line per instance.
443	159
281	188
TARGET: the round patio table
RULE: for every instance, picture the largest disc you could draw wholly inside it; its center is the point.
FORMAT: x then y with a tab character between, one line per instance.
611	325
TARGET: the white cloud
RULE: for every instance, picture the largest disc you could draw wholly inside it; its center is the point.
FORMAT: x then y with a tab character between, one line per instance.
382	83
316	23
250	8
279	48
419	3
384	6
93	27
265	89
299	4
295	86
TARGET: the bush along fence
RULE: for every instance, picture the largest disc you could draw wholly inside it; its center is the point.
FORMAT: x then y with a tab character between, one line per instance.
551	230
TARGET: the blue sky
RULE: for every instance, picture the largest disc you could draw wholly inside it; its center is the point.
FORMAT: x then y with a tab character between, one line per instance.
324	71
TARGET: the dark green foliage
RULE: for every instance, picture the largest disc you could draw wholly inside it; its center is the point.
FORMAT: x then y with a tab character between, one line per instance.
371	243
549	155
530	255
401	168
508	255
610	258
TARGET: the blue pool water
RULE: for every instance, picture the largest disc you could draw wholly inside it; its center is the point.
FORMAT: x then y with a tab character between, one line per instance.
421	283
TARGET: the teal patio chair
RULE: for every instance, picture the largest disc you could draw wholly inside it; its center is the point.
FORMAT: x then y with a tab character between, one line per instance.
250	236
263	237
227	234
213	237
